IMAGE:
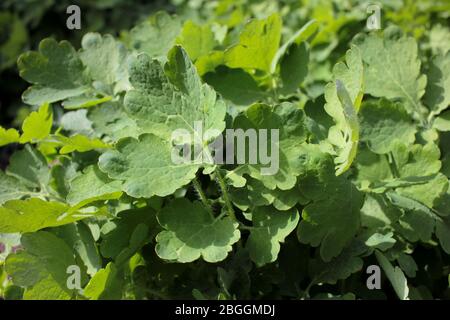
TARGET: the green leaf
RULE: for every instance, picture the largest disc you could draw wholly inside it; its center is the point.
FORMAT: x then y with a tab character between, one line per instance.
105	59
224	82
35	214
441	123
30	168
427	193
372	167
343	97
197	40
56	73
77	122
378	212
270	228
293	59
209	62
138	239
79	237
395	276
62	174
255	194
42	267
156	35
257	46
407	264
392	68
293	68
177	100
289	122
107	284
437	97
38	125
112	121
381	241
79	143
340	267
418	221
117	234
11	188
333	217
191	233
303	34
417	160
8	136
146	168
385	123
93	185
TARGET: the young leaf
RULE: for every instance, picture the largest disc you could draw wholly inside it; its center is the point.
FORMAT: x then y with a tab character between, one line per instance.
78	143
38	125
35	214
8	136
197	40
106	284
258	44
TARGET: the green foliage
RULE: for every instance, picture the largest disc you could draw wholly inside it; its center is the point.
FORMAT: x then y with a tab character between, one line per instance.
363	169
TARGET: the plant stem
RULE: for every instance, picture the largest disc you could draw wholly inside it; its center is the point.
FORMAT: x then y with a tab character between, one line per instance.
392	165
226	198
274	88
202	195
306	292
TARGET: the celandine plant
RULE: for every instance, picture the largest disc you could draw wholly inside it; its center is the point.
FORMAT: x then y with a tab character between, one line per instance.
228	159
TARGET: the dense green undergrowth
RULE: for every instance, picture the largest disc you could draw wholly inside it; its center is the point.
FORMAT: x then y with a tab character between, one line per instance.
363	172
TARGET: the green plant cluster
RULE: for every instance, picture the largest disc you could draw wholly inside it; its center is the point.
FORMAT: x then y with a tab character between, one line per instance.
364	156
